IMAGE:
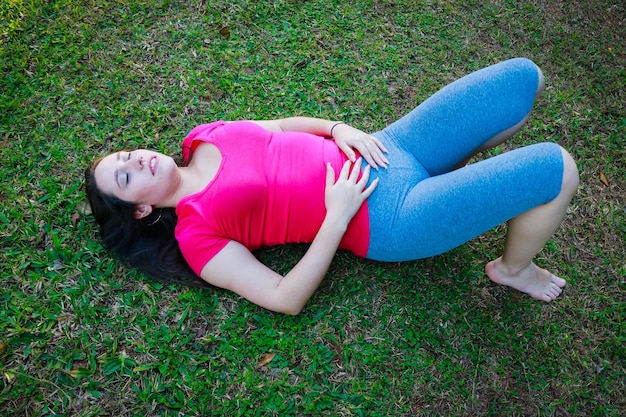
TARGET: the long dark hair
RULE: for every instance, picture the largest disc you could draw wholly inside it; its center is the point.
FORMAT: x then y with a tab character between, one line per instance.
147	244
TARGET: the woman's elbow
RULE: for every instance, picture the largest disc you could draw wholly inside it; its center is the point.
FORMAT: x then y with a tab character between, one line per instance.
282	300
289	308
293	311
287	305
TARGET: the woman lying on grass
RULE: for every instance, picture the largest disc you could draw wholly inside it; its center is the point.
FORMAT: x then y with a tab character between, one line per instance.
400	194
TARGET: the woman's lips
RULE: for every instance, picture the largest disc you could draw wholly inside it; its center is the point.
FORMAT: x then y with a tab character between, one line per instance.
153	164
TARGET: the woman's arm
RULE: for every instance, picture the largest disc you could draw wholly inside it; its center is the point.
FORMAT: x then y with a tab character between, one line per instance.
320	127
236	269
346	137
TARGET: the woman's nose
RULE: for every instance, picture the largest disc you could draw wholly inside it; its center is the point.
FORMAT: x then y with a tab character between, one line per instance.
135	162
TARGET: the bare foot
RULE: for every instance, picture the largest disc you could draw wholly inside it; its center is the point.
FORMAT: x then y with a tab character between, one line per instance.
534	281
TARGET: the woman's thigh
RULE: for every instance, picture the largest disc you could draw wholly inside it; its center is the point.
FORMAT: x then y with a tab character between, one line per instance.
453	123
442	212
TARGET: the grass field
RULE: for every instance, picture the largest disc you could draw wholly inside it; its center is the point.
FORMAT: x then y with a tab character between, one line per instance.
82	336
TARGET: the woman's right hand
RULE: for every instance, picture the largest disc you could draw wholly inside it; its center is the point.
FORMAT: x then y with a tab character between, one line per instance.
349	139
345	195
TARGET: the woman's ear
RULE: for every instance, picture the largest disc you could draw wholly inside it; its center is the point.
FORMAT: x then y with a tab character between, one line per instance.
142	211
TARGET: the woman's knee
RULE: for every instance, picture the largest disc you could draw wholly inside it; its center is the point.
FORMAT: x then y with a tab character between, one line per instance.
541	85
570	174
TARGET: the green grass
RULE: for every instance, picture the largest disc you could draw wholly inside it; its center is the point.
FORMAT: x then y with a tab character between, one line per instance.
82	336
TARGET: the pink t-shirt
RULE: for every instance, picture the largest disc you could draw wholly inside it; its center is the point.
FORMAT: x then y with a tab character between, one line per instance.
268	190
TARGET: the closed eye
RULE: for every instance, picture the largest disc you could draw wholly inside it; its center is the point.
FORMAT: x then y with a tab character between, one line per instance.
126	173
122	178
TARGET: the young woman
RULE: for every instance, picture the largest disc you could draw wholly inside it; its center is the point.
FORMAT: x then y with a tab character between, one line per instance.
399	194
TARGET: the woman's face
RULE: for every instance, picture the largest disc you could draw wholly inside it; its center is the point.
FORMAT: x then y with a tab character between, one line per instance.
141	176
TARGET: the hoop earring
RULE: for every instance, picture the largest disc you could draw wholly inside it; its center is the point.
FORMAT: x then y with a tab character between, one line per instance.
155	221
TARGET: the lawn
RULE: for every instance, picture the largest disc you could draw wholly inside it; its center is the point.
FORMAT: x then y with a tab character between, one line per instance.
80	335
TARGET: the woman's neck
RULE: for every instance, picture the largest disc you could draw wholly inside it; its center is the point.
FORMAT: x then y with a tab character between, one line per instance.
201	171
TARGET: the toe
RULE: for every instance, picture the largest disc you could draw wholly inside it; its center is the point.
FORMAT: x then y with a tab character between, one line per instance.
554	291
560	282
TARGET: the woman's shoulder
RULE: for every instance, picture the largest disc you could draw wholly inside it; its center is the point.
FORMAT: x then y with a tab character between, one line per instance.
205	132
201	133
222	134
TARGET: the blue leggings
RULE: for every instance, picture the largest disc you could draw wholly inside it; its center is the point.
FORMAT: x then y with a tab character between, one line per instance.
423	206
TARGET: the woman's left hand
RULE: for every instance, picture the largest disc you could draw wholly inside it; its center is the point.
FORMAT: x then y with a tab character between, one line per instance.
349	139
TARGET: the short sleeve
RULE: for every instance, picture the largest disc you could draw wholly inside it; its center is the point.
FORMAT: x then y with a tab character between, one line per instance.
198	133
